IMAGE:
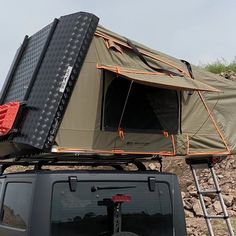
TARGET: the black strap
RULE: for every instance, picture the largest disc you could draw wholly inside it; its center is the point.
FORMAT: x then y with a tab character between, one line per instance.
161	69
188	65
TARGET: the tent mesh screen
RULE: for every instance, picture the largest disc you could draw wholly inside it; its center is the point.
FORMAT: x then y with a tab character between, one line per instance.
148	109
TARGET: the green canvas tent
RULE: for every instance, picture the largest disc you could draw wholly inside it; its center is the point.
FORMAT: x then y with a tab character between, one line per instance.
160	116
117	97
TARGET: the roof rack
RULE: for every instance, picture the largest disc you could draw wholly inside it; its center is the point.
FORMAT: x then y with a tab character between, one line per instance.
115	161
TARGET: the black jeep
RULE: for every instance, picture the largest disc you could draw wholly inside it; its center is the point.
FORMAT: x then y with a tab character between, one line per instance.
101	202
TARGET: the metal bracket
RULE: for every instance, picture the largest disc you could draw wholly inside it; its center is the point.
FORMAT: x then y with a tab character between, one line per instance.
152	184
72	183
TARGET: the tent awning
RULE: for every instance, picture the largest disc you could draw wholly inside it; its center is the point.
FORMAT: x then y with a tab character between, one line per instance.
160	80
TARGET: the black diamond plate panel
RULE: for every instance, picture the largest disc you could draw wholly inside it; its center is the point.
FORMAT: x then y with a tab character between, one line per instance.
25	69
56	78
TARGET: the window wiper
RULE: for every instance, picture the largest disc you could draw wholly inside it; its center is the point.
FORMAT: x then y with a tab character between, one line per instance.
96	188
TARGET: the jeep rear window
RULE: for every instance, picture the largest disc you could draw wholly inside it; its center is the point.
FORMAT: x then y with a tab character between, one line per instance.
85	213
16	205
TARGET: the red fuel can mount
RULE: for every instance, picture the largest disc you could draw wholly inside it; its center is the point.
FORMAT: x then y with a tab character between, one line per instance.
8	113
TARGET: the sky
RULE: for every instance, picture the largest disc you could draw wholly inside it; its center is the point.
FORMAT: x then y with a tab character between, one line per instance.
199	31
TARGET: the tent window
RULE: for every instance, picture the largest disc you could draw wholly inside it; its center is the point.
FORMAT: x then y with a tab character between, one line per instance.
148	109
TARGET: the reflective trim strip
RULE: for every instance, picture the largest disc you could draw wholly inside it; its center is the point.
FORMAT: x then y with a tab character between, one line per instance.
78	150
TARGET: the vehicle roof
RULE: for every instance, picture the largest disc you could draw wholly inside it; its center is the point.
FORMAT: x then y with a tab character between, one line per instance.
61	172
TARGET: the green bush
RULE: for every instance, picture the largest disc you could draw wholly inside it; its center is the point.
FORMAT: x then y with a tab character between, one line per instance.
220	66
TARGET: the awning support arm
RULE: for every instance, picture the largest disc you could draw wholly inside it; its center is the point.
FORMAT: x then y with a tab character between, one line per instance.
125	104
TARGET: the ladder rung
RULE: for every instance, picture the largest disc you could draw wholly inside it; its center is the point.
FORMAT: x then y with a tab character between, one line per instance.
200	166
216	217
209	191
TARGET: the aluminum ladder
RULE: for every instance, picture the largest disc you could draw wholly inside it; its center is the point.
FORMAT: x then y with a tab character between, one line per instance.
208	163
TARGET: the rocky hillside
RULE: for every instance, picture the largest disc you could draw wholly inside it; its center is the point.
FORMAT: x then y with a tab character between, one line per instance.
229	75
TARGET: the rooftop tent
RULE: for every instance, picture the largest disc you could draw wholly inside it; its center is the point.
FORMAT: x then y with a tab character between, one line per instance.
81	88
121	105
